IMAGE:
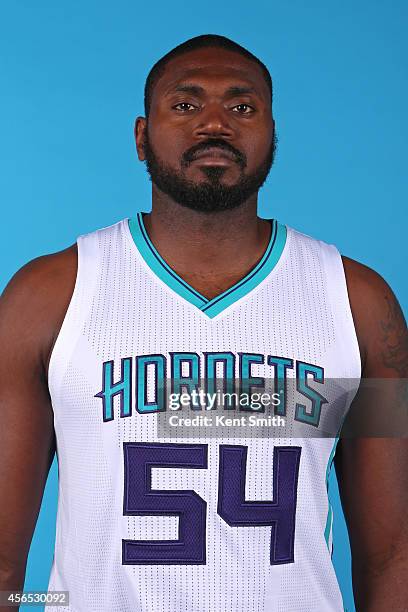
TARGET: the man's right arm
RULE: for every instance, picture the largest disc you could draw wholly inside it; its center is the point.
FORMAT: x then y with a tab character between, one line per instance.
32	308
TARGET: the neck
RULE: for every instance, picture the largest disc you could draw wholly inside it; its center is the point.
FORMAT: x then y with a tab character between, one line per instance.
210	250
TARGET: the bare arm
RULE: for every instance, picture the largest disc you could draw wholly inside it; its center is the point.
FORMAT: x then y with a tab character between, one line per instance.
372	471
31	310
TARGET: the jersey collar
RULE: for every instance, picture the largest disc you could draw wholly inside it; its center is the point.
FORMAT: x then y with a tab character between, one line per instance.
210	307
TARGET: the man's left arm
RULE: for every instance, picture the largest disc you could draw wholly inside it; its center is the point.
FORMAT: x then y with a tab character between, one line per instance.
372	471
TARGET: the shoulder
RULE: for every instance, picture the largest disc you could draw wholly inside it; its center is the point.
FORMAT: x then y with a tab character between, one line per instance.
41	277
35	300
367	288
378	319
380	325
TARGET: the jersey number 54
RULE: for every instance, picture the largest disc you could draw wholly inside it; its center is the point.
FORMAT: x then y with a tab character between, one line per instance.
190	548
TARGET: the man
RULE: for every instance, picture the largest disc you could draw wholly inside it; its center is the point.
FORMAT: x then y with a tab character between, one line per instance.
199	288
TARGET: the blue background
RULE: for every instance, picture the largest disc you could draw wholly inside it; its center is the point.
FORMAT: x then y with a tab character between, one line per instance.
72	79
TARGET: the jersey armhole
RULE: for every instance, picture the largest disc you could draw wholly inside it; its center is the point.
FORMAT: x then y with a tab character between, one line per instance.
341	308
77	311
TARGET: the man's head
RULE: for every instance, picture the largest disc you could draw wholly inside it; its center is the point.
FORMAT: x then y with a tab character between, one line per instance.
208	138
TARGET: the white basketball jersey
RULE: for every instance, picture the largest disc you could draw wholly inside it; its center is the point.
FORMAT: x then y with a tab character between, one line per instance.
183	522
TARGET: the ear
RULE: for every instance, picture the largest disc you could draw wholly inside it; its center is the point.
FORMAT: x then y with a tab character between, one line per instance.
140	135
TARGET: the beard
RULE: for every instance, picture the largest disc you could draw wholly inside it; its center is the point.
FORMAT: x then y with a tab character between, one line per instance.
209	195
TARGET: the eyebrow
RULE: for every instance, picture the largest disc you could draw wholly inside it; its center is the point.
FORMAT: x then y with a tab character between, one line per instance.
238	90
196	90
187	88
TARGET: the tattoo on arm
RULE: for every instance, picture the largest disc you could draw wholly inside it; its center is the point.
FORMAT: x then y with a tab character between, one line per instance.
394	338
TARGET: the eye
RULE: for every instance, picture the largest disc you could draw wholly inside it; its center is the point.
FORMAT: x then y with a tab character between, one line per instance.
184	107
243	109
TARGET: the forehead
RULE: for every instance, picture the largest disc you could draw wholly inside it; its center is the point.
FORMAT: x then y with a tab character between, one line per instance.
212	66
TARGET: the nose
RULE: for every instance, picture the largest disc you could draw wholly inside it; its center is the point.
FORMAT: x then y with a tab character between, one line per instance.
213	121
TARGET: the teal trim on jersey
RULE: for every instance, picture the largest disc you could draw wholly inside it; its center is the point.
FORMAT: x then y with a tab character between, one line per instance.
329	464
329	511
156	262
220	302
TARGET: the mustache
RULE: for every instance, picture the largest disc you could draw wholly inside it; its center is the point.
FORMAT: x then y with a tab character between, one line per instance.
217	143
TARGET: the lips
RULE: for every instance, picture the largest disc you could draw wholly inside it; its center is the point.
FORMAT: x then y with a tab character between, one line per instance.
215	153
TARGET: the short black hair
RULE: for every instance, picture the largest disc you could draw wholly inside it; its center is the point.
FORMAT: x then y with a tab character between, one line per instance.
198	42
